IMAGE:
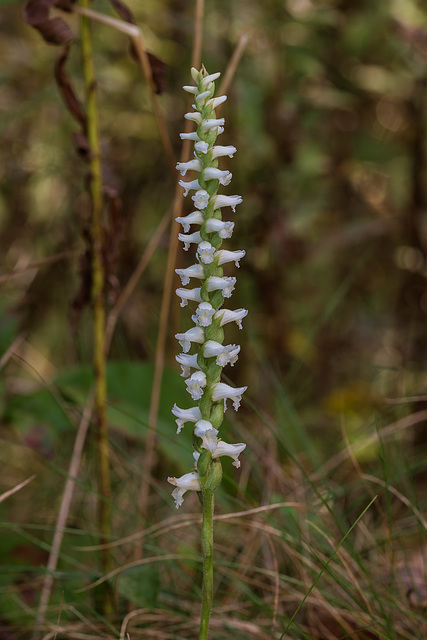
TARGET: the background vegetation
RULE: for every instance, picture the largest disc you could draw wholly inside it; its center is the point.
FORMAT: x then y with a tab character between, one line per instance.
328	111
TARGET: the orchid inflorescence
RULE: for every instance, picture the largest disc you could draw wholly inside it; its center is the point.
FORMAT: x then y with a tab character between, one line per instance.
202	369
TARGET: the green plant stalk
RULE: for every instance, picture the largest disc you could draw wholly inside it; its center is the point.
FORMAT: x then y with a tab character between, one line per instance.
208	501
98	302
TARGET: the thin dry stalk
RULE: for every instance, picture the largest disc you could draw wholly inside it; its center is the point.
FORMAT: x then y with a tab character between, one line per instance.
97	298
57	257
62	517
12	350
134	279
18	487
276	584
233	64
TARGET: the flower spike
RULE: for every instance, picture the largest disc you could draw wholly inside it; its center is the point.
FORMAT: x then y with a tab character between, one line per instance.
203	353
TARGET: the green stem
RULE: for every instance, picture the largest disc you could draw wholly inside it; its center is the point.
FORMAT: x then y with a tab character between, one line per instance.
98	301
207	553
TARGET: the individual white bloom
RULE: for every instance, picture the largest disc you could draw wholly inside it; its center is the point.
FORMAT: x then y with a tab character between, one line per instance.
210	441
205	430
227	201
205	252
200	199
201	99
203	315
195	74
219	131
210	123
195	271
185	415
222	227
207	81
222	391
231	450
188	294
188	239
195	384
189	186
227	316
225	256
189	136
187	363
215	102
195	217
196	456
195	116
190	89
188	482
195	334
211	173
201	147
225	285
191	165
202	427
225	354
219	152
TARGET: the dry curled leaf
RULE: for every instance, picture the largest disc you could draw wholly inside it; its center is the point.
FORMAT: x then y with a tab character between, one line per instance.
53	30
69	95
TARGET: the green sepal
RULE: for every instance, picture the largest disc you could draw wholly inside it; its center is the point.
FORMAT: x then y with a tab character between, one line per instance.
211	481
212	186
213	372
215	332
217	299
205	404
217	414
196	443
203	463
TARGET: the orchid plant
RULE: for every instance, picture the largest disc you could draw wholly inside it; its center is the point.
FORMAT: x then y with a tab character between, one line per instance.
202	369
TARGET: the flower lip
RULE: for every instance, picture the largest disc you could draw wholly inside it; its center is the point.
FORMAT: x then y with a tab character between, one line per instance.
225	285
210	123
220	151
187	363
227	315
188	294
187	239
195	384
223	391
204	314
200	198
211	173
225	256
195	217
223	228
195	334
191	165
185	415
193	185
227	201
231	450
195	271
188	482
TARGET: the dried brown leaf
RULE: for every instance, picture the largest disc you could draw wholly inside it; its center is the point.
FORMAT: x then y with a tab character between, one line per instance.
69	95
53	30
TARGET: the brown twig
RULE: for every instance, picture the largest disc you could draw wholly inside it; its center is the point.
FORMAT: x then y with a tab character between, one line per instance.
62	517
